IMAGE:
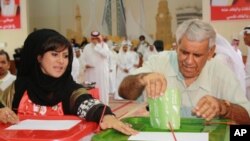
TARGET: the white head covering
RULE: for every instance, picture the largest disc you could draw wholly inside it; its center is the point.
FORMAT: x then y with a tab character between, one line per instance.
121	48
246	29
8	10
224	48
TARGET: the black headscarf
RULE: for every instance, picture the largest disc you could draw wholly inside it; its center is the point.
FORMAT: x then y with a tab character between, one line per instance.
43	89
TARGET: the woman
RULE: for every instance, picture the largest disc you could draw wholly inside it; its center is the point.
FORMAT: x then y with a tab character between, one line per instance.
44	84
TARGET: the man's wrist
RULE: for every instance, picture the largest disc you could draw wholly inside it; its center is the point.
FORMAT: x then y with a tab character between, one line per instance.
224	108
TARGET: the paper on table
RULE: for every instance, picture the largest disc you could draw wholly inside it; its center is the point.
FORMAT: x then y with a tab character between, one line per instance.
168	136
31	124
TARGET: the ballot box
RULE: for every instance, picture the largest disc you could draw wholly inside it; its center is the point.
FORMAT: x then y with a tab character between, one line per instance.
47	128
217	130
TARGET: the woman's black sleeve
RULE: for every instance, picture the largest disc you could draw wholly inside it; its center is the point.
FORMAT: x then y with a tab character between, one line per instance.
90	109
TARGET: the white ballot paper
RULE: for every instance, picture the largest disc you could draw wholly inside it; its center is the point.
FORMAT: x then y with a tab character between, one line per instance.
168	136
31	124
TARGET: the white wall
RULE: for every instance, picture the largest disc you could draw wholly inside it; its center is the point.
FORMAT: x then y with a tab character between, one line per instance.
15	37
225	28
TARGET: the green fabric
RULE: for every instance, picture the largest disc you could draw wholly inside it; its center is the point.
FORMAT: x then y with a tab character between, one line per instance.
165	110
217	132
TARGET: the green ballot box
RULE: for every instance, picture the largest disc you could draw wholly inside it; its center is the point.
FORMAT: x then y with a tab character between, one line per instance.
165	110
217	132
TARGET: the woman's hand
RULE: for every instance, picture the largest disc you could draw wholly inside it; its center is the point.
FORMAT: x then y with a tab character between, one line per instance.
110	121
8	116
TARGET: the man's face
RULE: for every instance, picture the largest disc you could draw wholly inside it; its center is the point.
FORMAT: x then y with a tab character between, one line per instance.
125	48
246	38
4	65
192	57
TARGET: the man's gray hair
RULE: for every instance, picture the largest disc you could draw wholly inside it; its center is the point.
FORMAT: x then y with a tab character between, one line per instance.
196	30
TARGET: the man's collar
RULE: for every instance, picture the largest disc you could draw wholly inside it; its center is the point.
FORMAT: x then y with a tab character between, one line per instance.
202	81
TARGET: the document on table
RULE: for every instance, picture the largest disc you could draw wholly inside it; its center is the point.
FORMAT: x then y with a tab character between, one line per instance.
31	124
168	136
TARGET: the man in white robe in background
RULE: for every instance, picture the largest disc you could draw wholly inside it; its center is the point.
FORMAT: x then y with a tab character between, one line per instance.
96	55
113	58
151	50
142	47
6	80
125	65
227	55
246	37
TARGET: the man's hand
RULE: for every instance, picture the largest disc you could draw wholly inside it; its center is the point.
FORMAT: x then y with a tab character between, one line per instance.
155	84
109	121
208	107
8	116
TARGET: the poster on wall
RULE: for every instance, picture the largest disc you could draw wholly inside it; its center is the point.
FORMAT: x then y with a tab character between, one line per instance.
230	9
10	14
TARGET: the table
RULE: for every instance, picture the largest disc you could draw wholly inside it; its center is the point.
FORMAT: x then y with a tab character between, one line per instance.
77	132
217	132
94	92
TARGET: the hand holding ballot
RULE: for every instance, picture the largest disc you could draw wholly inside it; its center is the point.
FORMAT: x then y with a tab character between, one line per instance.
8	116
155	84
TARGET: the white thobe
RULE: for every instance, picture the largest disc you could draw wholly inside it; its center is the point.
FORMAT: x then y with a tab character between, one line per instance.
247	68
147	54
125	61
142	47
97	57
7	81
75	69
112	74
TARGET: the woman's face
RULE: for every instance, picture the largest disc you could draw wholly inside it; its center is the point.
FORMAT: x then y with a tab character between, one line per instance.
54	63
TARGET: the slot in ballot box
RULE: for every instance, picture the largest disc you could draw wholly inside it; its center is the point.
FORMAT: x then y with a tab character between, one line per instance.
78	131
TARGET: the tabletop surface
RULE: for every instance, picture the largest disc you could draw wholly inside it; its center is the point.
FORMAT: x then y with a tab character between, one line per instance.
217	132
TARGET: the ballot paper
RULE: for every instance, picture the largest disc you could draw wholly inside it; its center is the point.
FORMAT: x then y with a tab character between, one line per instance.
168	136
31	124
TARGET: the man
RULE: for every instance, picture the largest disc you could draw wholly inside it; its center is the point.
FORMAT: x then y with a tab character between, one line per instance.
208	88
6	80
151	50
95	56
246	37
142	47
125	64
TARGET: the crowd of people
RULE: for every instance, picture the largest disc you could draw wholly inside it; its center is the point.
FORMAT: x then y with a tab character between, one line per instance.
205	67
107	63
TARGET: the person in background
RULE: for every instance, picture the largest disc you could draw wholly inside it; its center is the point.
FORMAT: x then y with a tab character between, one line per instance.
6	80
246	37
44	85
151	50
113	57
74	43
135	57
84	42
208	88
96	56
125	40
142	47
235	43
125	64
225	53
76	65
